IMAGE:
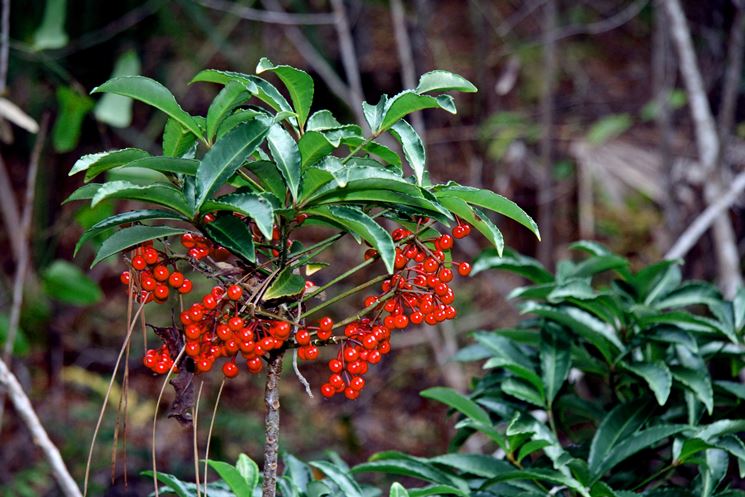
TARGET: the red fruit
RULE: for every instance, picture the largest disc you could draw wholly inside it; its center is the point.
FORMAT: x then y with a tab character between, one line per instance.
384	347
124	278
150	255
230	370
374	357
401	321
196	313
357	383
416	317
327	390
161	292
223	332
217	291
235	323
209	218
209	301
234	292
464	269
161	367
446	242
441	289
149	361
185	286
351	393
267	343
302	337
161	273
370	342
336	381
203	365
335	365
400	261
325	324
350	354
445	275
281	329
459	231
323	334
370	253
176	279
430	265
192	349
371	300
254	365
311	352
138	262
187	240
148	283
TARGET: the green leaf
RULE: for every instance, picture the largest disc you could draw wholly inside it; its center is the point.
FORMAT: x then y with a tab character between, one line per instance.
107	160
231	96
322	120
699	382
259	87
718	428
234	235
608	127
524	266
388	156
539	474
440	80
21	346
476	218
736	447
235	480
85	192
156	193
116	110
129	237
348	487
734	388
51	33
555	363
437	490
249	470
162	164
476	464
413	148
489	200
226	156
175	485
690	448
531	447
269	177
287	284
618	425
66	283
151	92
253	205
287	157
656	374
599	264
389	198
523	390
73	106
374	113
177	140
359	177
360	223
398	491
298	83
634	443
714	471
409	101
457	401
313	146
396	463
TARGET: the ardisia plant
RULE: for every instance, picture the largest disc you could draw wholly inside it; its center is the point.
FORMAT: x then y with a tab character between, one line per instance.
235	191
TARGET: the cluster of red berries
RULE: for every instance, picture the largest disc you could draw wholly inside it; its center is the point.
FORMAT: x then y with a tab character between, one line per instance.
158	360
152	278
417	292
199	247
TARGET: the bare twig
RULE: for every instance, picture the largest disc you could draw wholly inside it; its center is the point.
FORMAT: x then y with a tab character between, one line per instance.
209	434
348	54
303	381
271	423
318	63
731	86
697	228
24	260
4	45
707	140
546	207
269	16
27	414
9	208
609	24
406	57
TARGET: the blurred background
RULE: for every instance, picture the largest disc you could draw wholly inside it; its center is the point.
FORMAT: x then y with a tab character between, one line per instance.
582	117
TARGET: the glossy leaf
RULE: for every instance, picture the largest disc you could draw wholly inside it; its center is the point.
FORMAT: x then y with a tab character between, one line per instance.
374	113
439	80
235	480
360	223
555	363
286	284
457	401
396	463
698	382
259	87
161	164
482	465
341	478
526	267
156	193
397	490
408	101
234	235
476	218
178	141
298	83
231	96
152	93
129	237
107	160
619	424
287	157
313	146
226	156
253	205
412	146
657	375
269	177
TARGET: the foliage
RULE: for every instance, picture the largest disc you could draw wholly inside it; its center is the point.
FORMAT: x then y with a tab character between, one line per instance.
618	383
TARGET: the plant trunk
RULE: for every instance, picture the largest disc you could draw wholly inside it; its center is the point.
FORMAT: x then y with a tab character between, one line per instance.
271	423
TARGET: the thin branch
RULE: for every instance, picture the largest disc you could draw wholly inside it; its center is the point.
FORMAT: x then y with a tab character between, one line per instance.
4	45
303	381
348	56
702	223
269	16
9	208
732	76
27	414
318	63
271	423
406	57
595	28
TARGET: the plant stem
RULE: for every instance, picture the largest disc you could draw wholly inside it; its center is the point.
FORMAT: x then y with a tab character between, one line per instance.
344	295
271	423
333	282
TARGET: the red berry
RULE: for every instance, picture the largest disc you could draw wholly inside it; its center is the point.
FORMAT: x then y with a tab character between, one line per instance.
161	292
325	324
374	357
235	323
176	279
445	275
230	370
401	321
209	301
148	283
459	231
351	393
370	253
351	354
446	242
416	317
161	273
234	292
185	286
327	390
311	352
125	278
335	365
150	255
336	381
430	265
302	337
464	269
357	383
138	262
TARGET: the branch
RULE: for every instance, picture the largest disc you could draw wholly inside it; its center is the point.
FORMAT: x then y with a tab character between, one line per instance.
268	16
731	85
4	45
9	208
271	423
702	223
27	414
595	28
348	56
406	57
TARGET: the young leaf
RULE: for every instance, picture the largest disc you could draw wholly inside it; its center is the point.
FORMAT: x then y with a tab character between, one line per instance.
287	157
227	155
439	80
374	113
360	223
459	402
249	204
129	237
489	200
107	160
162	164
348	487
156	193
235	480
177	140
656	374
297	82
397	490
287	284
413	148
233	234
231	96
152	93
409	101
555	363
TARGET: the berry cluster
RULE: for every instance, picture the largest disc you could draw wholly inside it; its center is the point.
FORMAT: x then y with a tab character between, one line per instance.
158	360
199	247
417	292
152	278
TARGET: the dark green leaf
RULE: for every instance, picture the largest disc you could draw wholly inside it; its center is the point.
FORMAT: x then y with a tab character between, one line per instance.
85	192
237	483
107	160
178	141
129	237
66	283
698	382
227	155
176	486
234	235
734	388
313	146
152	93
437	490
539	474
476	218
73	106
232	95
476	464
374	113
555	363
161	164
409	101
341	478
656	374
398	491
156	193
618	425
253	205
269	177
512	261
298	83
401	464
287	157
287	284
413	148
457	401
